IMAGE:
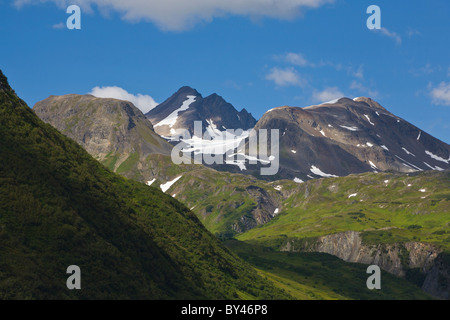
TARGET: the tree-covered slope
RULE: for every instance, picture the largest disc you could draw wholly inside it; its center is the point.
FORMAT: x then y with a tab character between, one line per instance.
60	207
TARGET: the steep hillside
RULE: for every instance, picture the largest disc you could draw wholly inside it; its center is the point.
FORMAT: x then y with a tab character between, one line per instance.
115	132
320	276
226	203
414	206
60	207
397	221
350	136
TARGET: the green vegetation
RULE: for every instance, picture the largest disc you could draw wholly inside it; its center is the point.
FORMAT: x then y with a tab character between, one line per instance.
129	163
133	241
387	208
219	199
59	207
318	276
110	161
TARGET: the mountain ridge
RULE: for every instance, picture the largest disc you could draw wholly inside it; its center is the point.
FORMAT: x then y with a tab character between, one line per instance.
213	108
60	207
114	131
350	136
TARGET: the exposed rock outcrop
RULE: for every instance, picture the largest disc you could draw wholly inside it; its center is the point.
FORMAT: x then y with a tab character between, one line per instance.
437	281
395	258
347	137
113	131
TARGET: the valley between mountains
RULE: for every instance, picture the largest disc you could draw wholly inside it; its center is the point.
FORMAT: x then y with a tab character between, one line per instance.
356	186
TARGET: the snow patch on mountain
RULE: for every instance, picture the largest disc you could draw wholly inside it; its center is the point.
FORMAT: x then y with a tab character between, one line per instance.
368	119
350	128
373	165
166	186
216	142
172	118
319	172
297	180
408	164
407	152
435	157
331	102
434	168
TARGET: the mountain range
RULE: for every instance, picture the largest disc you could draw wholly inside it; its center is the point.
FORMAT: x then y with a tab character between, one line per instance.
179	112
388	180
349	136
342	137
60	207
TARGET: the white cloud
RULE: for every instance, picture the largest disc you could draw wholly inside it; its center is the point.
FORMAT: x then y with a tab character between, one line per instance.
355	85
176	15
413	32
359	73
143	102
285	77
299	60
60	25
441	94
296	59
390	34
328	94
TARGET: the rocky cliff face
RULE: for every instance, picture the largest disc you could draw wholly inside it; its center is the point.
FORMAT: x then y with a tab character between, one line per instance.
187	105
350	136
265	209
437	281
394	258
113	131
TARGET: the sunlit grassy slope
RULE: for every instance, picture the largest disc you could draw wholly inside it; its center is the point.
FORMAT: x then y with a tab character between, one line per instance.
386	207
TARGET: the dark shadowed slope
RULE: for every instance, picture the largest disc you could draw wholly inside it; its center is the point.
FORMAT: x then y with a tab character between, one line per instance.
60	207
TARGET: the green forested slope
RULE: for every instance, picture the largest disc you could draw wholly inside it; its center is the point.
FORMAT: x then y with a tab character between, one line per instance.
60	207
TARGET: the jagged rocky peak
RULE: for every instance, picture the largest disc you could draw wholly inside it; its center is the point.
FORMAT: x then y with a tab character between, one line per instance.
186	106
187	90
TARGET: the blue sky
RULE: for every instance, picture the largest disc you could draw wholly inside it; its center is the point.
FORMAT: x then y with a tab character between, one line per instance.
257	54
